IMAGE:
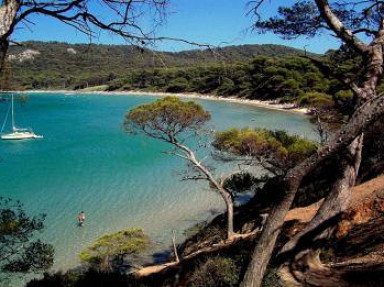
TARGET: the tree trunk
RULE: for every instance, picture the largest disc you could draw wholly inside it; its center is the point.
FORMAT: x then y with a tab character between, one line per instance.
227	197
229	204
363	116
264	248
8	11
334	205
174	246
4	44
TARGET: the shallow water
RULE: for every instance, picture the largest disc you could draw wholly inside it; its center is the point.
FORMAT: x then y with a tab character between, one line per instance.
86	162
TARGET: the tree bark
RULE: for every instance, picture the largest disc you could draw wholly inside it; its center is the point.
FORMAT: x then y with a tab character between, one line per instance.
374	71
4	44
227	197
174	246
335	204
339	28
8	11
264	248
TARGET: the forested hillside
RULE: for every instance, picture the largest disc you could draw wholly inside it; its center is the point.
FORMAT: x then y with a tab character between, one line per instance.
248	71
286	78
38	65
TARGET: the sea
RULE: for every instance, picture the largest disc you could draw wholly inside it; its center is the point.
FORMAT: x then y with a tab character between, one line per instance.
87	162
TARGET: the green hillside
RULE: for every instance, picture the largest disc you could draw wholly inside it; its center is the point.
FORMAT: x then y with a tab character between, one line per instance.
62	65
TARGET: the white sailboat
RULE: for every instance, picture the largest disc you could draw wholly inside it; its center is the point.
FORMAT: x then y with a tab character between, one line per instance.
17	133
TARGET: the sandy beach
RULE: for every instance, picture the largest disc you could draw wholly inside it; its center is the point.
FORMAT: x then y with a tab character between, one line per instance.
263	104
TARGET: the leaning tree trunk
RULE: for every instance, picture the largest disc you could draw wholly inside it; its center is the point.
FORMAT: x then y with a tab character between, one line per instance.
306	267
334	205
366	114
264	248
227	197
8	11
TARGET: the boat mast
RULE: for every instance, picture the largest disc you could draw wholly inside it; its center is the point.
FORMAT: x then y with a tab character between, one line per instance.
13	118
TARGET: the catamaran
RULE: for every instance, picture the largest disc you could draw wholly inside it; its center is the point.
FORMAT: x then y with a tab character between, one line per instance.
17	133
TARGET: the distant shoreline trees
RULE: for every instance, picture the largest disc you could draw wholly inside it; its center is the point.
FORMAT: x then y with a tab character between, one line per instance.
287	79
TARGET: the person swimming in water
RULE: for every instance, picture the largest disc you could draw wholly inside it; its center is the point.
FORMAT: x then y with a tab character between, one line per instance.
81	218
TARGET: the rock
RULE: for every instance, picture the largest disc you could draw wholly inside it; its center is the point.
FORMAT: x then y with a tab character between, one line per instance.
71	51
27	55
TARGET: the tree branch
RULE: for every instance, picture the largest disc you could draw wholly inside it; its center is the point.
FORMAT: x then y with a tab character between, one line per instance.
339	28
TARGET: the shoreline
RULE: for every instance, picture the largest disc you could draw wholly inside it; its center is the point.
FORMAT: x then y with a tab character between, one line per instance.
257	103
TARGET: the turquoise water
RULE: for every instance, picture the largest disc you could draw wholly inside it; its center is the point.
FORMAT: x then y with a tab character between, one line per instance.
87	162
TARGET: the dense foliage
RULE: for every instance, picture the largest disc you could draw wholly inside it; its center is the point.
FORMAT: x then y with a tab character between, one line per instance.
20	250
287	78
275	150
240	182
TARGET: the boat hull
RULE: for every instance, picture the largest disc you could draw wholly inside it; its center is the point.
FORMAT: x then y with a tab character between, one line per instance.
20	136
17	133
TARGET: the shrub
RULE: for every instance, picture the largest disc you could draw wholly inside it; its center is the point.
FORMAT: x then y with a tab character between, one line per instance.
272	279
240	182
317	100
344	95
111	249
215	272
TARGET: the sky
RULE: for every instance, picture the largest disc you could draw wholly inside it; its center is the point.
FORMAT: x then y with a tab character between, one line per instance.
216	22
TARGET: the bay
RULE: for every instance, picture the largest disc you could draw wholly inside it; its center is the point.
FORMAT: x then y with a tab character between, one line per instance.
87	162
